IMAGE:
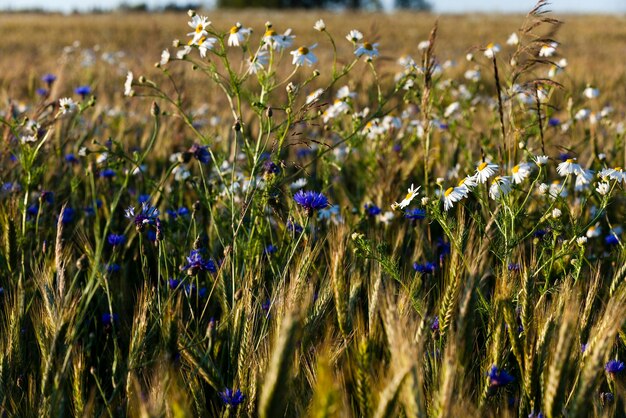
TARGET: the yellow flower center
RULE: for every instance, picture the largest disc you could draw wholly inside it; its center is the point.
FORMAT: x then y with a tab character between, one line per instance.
303	50
482	166
497	179
448	192
368	46
199	28
408	196
516	169
490	45
234	29
618	168
462	182
270	32
570	160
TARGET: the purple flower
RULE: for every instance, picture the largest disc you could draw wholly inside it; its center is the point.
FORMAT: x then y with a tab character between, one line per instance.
146	217
196	263
231	397
41	92
294	227
173	283
108	319
116	240
68	214
499	378
107	173
270	249
425	268
310	201
113	267
606	398
83	91
554	122
49	79
514	267
434	326
614	366
535	415
372	210
270	168
71	158
415	214
200	153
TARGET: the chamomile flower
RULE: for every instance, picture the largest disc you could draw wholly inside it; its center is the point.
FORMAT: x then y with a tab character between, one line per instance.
165	57
491	50
568	167
314	96
258	61
500	186
128	85
199	25
541	160
367	49
520	172
276	41
67	106
594	231
453	195
206	44
354	36
548	50
238	35
513	39
469	182
484	171
320	25
303	55
344	93
583	179
603	188
411	193
590	92
616	173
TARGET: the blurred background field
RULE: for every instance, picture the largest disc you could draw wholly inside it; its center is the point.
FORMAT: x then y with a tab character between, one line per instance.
33	44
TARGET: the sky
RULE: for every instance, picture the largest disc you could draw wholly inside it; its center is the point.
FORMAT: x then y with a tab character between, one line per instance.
440	6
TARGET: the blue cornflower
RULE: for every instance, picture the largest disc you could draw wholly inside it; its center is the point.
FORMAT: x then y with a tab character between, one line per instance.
115	239
310	201
397	148
68	214
499	378
425	268
443	248
614	366
200	153
583	347
231	397
540	233
83	91
49	79
71	158
113	267
606	398
372	210
415	214
266	305
173	283
41	92
147	216
270	249
554	122
33	209
108	319
294	227
196	263
514	267
611	239
270	168
183	211
107	173
535	415
144	197
303	152
434	326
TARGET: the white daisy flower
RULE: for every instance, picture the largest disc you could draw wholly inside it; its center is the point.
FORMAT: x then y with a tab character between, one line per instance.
590	92
583	179
556	213
520	172
354	36
370	50
67	106
500	186
548	50
484	171
513	39
613	173
568	167
206	45
469	181
451	109
314	96
320	25
453	195
238	35
411	193
165	57
303	55
259	61
181	54
128	85
28	138
277	41
594	231
423	45
603	188
199	25
298	184
582	114
344	93
386	217
541	160
491	50
556	190
472	75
